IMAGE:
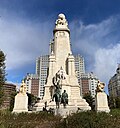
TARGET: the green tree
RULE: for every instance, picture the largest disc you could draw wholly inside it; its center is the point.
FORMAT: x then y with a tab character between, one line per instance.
117	101
2	75
112	102
12	100
31	100
89	99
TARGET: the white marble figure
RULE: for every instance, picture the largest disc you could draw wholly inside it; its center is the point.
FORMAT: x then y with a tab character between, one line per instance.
100	87
61	20
61	74
23	88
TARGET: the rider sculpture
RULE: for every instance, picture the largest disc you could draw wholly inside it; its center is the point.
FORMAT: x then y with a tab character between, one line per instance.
59	76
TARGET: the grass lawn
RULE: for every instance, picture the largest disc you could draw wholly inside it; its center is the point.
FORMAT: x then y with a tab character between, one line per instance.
88	119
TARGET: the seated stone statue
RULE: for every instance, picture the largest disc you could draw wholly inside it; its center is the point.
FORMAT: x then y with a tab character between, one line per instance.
23	88
64	98
100	87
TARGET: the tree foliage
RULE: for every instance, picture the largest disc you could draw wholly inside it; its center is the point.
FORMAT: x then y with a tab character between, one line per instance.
114	102
12	100
117	101
89	99
31	100
2	75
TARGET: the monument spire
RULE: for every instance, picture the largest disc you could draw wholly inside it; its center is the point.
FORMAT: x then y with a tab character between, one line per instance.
61	35
61	56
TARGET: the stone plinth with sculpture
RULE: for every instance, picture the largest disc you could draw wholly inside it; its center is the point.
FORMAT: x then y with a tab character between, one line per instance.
21	100
61	74
101	101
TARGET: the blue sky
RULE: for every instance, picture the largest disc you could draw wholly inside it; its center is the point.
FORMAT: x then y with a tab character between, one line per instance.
26	28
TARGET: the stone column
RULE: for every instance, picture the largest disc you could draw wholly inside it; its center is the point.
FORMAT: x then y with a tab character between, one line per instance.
49	85
71	65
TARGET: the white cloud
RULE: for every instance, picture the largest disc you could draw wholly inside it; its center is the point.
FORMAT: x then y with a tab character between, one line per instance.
23	41
106	60
90	37
97	44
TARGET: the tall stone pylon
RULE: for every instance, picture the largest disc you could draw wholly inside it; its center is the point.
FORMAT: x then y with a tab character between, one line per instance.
62	60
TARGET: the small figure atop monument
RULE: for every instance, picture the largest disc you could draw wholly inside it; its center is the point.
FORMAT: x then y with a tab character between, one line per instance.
61	20
61	16
23	88
100	87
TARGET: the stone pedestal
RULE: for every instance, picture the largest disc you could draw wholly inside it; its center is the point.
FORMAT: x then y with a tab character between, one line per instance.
72	106
101	102
64	112
21	103
61	75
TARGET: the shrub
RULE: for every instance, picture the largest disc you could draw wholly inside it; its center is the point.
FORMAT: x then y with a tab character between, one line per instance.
28	120
91	119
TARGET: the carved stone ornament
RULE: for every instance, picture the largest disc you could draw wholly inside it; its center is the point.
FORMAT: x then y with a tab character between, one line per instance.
100	87
61	20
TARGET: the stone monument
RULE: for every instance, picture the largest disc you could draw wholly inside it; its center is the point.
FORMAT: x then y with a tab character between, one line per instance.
62	74
21	100
101	102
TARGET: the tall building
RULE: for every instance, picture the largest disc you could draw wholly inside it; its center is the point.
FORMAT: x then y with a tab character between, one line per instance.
79	68
89	83
84	82
93	81
32	83
79	64
114	84
42	65
9	89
